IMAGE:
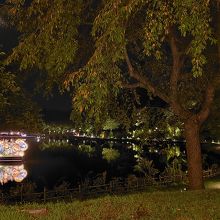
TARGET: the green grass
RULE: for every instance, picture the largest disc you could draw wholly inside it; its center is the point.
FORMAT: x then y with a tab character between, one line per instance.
168	205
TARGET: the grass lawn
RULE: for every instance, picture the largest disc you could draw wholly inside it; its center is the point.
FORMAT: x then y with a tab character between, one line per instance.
213	183
161	205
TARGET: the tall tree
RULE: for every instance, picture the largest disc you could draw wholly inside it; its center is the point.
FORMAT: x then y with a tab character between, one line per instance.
175	35
165	47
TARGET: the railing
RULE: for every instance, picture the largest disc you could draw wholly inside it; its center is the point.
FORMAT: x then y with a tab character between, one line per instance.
113	187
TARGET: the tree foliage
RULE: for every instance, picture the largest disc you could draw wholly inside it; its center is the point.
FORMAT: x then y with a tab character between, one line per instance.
110	154
160	27
168	48
49	36
8	86
16	106
146	167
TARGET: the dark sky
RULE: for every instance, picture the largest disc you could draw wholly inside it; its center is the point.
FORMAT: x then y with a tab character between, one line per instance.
57	102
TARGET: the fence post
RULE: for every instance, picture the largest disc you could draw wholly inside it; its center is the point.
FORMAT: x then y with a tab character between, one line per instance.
21	197
45	194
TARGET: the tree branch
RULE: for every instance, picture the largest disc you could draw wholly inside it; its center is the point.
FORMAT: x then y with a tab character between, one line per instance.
176	68
144	81
209	96
132	85
174	78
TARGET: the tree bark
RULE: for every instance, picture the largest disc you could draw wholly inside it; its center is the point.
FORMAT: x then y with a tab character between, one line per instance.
194	156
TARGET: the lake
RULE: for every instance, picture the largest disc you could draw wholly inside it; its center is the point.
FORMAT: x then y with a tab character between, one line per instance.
49	163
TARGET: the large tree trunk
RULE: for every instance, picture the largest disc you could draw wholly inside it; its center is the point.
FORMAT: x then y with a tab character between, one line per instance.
194	156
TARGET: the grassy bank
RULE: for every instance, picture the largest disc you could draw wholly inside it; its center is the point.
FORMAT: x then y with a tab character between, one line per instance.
176	205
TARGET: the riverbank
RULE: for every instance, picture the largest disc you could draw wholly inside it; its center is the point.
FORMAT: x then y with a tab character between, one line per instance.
178	205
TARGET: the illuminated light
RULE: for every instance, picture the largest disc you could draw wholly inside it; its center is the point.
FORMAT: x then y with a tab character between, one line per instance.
23	145
1	148
21	154
12	148
23	135
38	139
12	173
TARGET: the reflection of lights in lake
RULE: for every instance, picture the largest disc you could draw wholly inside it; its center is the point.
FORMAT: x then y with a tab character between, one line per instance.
12	173
13	147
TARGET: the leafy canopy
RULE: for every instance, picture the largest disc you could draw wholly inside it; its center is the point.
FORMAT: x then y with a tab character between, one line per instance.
142	29
138	28
48	37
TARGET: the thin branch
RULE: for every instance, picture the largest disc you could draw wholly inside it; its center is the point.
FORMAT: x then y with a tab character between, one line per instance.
144	81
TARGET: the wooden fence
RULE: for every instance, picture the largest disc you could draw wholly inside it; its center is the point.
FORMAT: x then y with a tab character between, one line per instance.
116	186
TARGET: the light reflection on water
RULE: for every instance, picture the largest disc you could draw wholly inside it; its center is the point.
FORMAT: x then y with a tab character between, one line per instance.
51	161
12	150
12	173
13	147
